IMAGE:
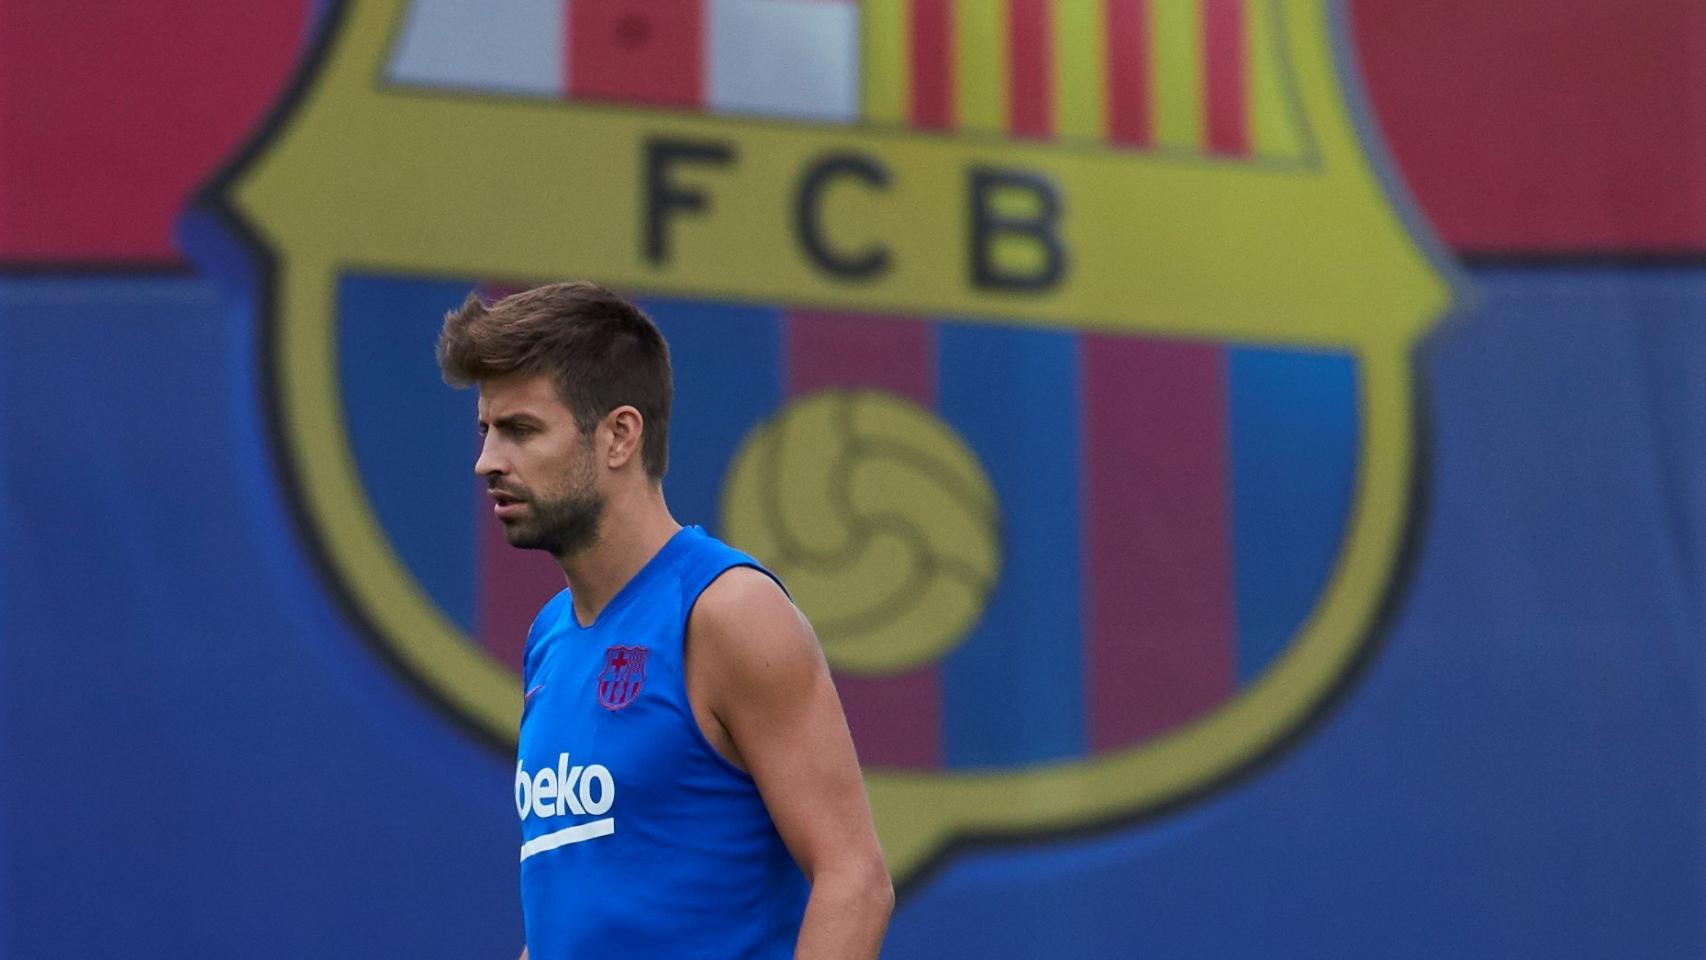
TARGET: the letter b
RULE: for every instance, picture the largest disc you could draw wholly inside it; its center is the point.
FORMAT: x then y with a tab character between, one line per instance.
988	225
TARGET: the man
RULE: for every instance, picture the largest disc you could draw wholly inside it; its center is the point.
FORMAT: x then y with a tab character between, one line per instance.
685	780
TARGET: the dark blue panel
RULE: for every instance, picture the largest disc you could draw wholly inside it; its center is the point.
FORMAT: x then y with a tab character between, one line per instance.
1292	420
196	746
1014	691
414	437
728	378
11	532
1670	372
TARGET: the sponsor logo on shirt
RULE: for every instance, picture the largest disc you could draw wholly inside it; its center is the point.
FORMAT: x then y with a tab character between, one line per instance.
562	791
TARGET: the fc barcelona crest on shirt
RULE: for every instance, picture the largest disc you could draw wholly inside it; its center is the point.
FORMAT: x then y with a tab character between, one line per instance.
1056	354
623	674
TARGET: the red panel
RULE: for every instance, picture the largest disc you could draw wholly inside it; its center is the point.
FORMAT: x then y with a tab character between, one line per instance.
932	59
637	51
1030	50
112	114
1156	536
1545	124
1225	92
1128	72
1530	125
828	349
896	721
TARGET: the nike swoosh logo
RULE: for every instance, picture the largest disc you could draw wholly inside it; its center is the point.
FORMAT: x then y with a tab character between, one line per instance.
529	694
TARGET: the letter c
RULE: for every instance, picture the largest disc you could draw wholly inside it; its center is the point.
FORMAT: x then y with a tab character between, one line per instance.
808	228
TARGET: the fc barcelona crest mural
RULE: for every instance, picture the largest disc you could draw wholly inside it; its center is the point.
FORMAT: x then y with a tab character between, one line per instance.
1057	355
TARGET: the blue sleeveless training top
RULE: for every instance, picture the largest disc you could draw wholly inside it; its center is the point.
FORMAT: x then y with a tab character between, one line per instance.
639	840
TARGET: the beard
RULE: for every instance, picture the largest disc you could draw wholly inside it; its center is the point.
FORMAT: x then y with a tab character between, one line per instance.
562	526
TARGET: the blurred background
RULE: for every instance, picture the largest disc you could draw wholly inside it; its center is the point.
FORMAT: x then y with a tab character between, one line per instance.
1246	460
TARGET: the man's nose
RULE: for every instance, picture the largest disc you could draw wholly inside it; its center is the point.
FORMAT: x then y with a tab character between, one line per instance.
489	462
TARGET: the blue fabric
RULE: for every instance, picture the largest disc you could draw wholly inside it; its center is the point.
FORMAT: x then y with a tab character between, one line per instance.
639	839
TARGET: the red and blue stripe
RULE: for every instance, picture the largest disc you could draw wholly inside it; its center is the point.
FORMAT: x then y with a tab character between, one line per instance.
1171	510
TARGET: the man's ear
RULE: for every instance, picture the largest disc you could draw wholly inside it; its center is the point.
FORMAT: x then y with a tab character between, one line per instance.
626	428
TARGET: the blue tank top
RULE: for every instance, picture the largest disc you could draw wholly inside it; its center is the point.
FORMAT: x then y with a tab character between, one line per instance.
638	838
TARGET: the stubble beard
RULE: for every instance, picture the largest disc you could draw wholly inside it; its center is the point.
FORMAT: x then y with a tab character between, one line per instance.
561	526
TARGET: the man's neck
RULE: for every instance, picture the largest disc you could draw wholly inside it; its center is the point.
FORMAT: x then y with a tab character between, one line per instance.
629	535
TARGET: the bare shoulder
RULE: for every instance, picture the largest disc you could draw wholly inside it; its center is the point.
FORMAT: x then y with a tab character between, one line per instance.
744	629
742	591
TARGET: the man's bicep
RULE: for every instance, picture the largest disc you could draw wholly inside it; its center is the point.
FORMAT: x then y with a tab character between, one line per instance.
775	697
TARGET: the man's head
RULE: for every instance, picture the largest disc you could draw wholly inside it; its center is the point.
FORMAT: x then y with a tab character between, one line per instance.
574	394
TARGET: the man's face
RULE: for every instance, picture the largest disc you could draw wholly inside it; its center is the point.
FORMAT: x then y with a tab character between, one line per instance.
540	470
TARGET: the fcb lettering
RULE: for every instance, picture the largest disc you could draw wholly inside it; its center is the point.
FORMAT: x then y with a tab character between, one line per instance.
582	791
1034	221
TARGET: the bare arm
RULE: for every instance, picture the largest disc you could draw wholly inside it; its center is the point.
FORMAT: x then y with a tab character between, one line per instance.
766	685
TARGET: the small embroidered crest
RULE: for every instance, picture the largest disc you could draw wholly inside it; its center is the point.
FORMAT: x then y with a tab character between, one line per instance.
624	672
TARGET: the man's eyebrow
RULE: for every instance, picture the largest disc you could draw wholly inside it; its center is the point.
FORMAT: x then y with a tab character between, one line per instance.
515	420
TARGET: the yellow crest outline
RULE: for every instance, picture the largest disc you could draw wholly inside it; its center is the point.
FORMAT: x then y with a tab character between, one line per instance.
1351	276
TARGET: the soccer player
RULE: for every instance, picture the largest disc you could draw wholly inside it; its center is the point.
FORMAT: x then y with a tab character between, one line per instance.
685	779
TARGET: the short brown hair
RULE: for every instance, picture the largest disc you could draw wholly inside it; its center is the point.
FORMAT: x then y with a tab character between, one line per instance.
599	350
